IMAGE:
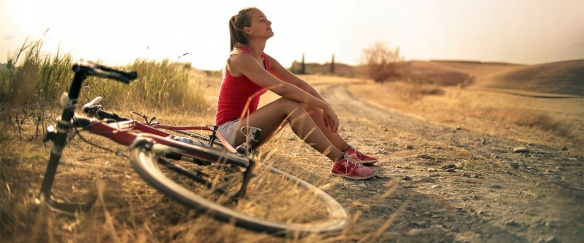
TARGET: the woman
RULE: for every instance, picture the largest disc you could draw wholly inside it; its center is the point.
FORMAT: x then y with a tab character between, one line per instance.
250	72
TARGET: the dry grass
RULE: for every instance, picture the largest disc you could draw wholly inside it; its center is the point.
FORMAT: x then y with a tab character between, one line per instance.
538	117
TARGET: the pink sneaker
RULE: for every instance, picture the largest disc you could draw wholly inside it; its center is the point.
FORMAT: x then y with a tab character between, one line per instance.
347	168
360	158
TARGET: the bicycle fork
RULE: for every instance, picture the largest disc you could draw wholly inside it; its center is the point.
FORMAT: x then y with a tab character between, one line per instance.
59	137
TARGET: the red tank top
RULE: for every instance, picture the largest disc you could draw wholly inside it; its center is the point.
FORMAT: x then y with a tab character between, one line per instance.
237	93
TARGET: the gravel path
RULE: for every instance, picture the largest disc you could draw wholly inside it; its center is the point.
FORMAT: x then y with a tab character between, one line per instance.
445	184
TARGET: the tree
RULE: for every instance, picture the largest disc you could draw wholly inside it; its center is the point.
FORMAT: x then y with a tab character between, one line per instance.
333	64
381	62
302	65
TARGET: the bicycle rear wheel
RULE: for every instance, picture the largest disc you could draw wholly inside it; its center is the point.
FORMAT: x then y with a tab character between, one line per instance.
276	201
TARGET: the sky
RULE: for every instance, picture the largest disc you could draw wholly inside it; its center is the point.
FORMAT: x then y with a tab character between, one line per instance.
118	32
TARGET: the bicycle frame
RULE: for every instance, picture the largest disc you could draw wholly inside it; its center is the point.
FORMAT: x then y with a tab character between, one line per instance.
93	109
127	132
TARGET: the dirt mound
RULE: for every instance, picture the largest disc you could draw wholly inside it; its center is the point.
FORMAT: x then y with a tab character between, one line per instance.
563	78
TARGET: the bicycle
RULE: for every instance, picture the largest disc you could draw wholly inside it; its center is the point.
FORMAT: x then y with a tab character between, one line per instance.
209	176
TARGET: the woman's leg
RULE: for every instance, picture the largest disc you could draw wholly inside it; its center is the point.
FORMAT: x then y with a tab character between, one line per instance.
334	138
272	116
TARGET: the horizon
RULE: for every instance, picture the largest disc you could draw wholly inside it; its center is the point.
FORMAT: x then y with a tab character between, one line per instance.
518	32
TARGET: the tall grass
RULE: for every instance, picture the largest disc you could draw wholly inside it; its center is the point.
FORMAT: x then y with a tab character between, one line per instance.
32	82
167	85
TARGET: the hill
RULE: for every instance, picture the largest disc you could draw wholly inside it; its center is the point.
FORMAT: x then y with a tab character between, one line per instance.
340	69
557	78
561	78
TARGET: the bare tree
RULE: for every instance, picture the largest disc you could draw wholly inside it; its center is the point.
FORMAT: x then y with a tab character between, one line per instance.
332	70
381	62
302	65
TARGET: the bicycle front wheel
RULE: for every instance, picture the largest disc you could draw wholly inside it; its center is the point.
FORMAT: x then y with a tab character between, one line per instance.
275	201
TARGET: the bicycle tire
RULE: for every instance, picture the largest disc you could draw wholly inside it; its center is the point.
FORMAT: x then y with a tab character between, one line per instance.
145	160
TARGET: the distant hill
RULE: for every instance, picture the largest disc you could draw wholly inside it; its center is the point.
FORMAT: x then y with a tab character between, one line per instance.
564	78
559	78
341	69
413	71
424	72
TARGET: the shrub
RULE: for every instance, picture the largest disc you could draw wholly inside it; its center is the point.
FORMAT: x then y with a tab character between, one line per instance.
381	62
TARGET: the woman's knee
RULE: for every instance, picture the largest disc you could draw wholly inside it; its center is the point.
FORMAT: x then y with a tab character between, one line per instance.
289	105
311	110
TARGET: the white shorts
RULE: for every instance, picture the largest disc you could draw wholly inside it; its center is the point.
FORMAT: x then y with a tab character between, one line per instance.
228	130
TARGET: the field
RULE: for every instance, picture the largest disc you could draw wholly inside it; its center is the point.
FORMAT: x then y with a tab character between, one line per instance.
503	99
447	170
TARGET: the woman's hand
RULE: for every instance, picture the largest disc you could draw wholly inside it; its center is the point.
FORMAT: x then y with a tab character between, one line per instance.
330	119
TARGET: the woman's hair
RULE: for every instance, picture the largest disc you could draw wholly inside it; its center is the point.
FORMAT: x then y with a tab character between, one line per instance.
236	24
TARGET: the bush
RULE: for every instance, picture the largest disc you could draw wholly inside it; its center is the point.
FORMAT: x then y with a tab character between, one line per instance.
381	62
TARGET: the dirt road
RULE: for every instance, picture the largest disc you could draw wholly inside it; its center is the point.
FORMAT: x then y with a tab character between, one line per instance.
445	184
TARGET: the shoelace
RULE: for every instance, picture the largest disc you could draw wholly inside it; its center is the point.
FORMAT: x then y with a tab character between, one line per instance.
349	160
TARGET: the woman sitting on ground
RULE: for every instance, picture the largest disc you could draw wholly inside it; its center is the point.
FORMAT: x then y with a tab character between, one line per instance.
250	72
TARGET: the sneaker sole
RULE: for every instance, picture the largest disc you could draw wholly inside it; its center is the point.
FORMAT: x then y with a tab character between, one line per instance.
356	178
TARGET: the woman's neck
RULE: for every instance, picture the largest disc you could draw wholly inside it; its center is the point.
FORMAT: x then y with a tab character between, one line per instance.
256	48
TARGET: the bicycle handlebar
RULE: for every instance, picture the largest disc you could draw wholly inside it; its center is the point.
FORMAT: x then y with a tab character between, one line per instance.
93	109
94	69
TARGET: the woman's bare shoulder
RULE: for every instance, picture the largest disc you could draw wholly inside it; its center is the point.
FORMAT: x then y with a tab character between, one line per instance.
239	61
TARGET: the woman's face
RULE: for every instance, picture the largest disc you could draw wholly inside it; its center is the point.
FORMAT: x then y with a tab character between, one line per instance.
260	27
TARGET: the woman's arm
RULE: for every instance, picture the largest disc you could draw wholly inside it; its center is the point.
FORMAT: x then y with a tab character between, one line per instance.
244	64
285	75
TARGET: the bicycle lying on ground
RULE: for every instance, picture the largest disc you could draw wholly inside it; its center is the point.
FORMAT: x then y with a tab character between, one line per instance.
200	171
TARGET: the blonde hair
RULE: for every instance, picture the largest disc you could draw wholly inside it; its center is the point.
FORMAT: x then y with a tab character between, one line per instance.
236	24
